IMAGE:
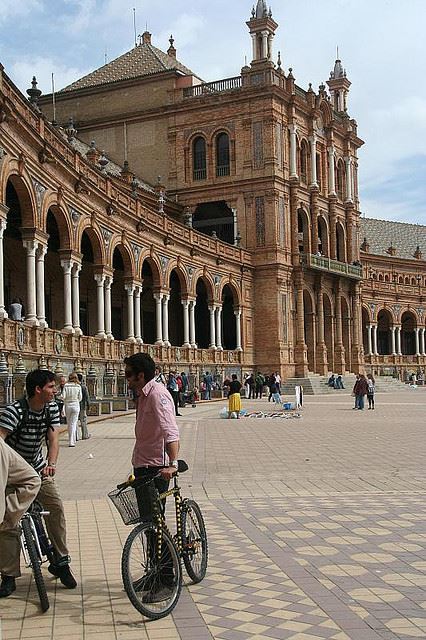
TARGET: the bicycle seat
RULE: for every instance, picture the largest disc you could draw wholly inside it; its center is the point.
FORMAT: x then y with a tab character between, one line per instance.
182	466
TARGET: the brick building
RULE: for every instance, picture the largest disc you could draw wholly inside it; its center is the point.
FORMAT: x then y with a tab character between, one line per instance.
215	225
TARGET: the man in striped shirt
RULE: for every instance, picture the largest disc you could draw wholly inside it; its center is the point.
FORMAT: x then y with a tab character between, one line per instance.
26	426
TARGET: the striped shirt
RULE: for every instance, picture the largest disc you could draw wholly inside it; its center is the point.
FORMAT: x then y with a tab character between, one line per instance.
27	439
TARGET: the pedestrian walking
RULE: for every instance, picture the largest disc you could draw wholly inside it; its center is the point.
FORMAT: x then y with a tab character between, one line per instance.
72	396
259	382
84	406
371	390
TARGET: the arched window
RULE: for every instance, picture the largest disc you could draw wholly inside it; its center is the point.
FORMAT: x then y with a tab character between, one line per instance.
341	182
199	159
304	161
222	155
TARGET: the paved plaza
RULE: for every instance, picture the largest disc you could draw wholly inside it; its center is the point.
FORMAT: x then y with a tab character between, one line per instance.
317	529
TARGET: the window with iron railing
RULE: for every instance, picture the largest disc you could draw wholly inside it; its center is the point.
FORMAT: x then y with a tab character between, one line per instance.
222	155
199	159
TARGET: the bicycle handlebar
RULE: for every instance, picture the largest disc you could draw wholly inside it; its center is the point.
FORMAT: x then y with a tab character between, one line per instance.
182	467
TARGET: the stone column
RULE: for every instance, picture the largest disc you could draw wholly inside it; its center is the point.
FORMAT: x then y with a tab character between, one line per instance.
212	328
417	330
314	220
398	341
422	341
130	289
348	164
219	328
75	273
41	310
332	232
370	347
253	42
264	44
166	299
393	341
67	267
322	365
3	222
237	314
300	351
375	350
158	317
313	145
31	315
185	305
339	349
100	281
293	148
192	323
331	176
108	328
138	336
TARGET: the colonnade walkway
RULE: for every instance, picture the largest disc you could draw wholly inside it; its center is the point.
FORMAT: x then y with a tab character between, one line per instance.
317	529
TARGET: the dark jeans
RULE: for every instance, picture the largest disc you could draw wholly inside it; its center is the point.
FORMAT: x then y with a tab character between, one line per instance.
175	396
166	575
259	390
370	398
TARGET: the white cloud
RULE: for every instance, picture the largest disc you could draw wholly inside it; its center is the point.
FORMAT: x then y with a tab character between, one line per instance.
12	9
42	68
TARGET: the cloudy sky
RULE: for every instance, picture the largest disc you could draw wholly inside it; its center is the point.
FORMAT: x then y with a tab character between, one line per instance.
381	43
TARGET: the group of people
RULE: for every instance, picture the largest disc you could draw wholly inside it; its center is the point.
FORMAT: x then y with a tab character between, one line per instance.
364	386
27	470
335	382
177	385
255	383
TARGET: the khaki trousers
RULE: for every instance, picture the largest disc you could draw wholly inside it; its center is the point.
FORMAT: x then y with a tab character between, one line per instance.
10	548
83	423
19	485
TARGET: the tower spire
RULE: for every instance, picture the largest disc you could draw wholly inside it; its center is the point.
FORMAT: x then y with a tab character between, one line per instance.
262	30
339	84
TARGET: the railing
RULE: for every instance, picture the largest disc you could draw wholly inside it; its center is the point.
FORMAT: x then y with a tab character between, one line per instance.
229	84
332	266
223	170
200	174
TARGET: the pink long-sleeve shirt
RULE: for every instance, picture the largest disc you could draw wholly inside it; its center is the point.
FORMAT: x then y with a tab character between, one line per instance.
155	426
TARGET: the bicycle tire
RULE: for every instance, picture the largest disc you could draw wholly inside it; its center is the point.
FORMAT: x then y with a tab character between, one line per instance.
194	538
35	564
143	577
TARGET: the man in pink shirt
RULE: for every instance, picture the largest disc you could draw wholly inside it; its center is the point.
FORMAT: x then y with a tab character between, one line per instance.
157	434
156	448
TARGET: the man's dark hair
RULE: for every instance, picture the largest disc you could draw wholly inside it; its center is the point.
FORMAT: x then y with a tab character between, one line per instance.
37	378
141	363
80	377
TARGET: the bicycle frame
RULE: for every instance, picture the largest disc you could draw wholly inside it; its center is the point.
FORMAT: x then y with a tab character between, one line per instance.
161	519
40	552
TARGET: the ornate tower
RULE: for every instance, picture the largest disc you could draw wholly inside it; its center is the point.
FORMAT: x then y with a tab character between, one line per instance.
339	86
262	30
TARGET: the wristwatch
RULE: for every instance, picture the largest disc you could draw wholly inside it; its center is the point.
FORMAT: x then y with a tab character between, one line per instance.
174	463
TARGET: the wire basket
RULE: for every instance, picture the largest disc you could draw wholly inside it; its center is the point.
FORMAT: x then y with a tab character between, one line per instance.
136	503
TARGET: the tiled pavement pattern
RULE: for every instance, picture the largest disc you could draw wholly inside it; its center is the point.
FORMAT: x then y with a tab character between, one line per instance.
316	529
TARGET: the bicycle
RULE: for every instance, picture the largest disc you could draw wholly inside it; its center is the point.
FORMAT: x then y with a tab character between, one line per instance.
36	547
151	560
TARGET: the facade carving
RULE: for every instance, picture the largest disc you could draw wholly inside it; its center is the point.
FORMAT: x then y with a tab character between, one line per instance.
244	254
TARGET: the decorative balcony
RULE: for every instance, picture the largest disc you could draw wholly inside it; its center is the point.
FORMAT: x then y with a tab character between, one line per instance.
209	88
321	263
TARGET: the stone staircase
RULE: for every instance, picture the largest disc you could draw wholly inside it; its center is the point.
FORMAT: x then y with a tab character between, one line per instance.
316	384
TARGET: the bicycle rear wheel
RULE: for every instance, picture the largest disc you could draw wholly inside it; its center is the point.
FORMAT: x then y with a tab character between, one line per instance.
35	563
152	580
194	538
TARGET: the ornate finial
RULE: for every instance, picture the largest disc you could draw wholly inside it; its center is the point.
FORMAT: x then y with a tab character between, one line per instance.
70	130
214	235
91	373
253	12
310	88
238	239
290	73
58	369
103	161
3	363
279	60
19	365
34	93
171	40
417	254
171	51
92	153
134	186
42	364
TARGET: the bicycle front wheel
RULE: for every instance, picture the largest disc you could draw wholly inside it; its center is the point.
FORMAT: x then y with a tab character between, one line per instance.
152	577
194	538
35	563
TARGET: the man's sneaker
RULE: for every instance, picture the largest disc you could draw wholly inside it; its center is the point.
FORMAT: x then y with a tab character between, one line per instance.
7	586
64	574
